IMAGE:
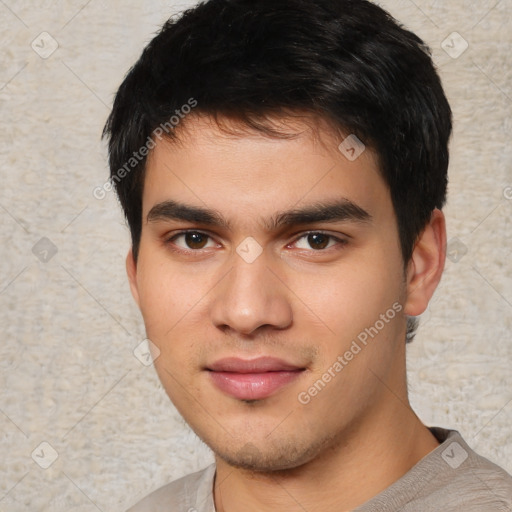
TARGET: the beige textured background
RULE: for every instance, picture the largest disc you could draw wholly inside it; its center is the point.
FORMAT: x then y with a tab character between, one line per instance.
68	375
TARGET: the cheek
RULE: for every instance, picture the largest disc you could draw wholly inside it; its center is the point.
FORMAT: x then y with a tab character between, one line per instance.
174	303
170	300
166	296
352	296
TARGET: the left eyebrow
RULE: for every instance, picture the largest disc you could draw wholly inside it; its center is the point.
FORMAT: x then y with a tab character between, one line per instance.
342	210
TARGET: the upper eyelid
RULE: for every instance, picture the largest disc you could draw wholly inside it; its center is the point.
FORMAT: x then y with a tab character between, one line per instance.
186	231
339	236
297	235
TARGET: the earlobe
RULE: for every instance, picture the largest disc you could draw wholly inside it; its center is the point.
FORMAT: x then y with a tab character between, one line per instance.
131	271
426	265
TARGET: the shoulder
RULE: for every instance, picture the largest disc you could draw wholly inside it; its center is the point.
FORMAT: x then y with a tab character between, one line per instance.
464	480
481	483
191	492
451	478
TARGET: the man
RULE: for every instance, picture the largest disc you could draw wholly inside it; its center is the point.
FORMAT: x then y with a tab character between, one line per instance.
282	167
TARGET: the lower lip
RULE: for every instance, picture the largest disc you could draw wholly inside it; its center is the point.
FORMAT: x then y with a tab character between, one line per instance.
252	386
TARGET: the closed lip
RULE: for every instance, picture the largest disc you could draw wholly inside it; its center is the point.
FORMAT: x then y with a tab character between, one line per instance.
258	365
252	379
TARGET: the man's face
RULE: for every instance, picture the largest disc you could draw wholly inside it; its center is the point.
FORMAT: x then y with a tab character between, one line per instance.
271	260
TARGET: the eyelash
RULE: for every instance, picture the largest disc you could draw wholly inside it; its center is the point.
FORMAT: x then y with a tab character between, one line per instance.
340	242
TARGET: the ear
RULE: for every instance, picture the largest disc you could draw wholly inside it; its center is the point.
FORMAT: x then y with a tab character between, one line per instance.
426	265
131	270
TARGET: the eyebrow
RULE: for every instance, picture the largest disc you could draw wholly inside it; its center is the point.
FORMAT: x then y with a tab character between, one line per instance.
342	210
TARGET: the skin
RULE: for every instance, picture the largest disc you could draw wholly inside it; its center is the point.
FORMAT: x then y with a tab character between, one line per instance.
301	304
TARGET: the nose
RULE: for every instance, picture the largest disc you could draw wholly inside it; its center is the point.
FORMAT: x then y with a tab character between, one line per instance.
249	298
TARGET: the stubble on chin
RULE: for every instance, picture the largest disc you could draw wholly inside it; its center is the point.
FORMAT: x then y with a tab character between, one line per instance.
274	456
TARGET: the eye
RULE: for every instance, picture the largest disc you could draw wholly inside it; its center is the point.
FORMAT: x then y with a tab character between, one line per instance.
192	240
317	241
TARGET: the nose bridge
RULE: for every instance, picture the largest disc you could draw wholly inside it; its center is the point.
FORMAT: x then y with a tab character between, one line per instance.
250	297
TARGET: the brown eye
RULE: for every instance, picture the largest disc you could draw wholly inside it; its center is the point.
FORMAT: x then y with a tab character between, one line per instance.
318	241
194	240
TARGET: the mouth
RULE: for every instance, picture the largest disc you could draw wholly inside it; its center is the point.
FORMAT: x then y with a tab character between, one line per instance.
253	379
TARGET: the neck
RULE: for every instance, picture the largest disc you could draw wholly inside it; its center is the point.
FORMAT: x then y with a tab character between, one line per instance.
365	459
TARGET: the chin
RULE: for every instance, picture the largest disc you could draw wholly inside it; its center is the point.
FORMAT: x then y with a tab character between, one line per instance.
271	456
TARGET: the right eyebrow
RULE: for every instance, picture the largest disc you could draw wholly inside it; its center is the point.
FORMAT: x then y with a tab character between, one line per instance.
172	210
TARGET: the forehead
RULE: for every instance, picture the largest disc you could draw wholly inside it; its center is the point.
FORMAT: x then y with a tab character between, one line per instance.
244	172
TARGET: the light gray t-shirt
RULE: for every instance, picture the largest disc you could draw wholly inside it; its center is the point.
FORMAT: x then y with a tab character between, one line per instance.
452	478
